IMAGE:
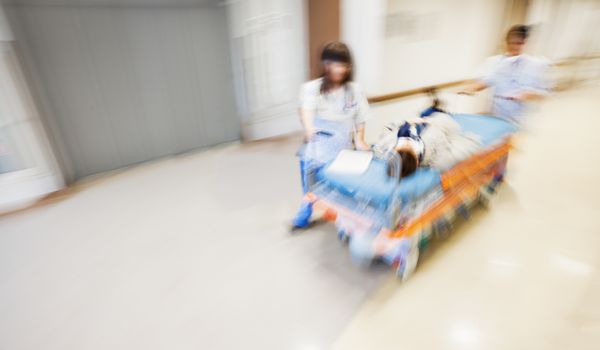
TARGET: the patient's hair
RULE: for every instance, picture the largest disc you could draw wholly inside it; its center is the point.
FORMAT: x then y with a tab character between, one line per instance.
408	166
409	162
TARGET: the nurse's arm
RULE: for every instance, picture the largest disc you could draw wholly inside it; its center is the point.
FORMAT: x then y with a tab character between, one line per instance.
359	140
537	91
540	88
529	95
307	117
474	87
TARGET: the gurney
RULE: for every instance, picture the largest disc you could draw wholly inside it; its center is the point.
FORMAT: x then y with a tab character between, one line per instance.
392	220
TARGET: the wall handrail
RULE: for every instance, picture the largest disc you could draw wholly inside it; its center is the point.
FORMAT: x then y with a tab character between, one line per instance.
416	91
426	89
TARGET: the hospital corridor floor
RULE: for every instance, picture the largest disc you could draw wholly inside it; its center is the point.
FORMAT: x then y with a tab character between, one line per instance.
193	252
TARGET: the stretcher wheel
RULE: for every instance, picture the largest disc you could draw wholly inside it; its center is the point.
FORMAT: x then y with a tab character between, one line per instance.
463	211
485	198
361	249
408	264
343	236
442	228
424	239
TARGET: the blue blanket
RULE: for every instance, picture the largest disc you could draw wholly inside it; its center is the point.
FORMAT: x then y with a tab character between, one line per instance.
490	129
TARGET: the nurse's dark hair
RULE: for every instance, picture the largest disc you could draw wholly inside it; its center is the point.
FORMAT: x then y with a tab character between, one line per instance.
335	52
519	30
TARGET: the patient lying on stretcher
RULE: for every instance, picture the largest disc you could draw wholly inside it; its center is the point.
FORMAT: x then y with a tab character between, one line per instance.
435	140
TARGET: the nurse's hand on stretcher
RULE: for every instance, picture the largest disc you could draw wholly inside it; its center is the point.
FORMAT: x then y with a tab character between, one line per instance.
518	97
311	135
473	88
526	95
308	134
362	146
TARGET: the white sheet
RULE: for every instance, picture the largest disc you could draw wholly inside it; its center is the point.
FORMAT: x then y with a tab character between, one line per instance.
350	162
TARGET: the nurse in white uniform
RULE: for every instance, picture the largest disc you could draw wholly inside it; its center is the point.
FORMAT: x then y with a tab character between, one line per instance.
516	78
333	112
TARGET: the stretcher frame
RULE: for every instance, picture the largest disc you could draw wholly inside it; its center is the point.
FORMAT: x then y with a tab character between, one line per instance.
470	182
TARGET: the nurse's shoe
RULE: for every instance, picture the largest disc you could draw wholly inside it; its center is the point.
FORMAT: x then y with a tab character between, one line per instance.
302	218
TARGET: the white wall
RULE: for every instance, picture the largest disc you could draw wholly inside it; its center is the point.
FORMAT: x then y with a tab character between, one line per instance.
405	44
5	31
130	81
427	42
565	28
268	44
363	29
269	50
28	168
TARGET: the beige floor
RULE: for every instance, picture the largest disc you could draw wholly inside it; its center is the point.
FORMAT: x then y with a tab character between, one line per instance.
185	253
192	253
524	274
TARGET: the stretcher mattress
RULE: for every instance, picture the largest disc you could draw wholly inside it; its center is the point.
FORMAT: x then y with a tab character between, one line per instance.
379	190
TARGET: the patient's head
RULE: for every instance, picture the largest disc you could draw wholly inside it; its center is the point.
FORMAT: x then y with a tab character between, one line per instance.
410	162
408	150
